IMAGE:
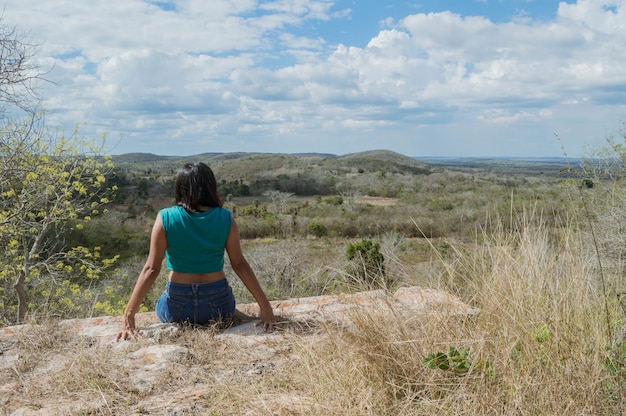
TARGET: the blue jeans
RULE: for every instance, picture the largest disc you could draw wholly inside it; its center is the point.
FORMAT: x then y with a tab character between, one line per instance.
196	303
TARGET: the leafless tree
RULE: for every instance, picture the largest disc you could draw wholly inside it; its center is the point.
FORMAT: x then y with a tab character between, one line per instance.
278	199
18	74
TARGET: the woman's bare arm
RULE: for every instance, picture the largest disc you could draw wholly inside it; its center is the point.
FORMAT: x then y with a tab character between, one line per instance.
242	268
147	276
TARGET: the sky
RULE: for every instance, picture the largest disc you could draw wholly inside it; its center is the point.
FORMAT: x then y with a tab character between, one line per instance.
470	78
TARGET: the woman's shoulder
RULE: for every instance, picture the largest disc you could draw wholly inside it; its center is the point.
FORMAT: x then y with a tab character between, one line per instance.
174	209
171	214
223	212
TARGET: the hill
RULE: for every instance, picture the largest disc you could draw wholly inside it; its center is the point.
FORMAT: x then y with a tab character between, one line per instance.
139	158
243	173
385	160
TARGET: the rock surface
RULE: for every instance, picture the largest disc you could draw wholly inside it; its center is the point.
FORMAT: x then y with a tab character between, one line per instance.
35	360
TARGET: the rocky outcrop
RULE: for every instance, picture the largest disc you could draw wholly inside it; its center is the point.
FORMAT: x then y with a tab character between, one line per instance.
34	357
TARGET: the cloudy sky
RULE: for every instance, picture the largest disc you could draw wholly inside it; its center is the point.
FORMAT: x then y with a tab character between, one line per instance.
524	78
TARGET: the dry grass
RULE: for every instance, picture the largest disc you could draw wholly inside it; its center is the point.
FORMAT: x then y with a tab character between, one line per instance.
539	346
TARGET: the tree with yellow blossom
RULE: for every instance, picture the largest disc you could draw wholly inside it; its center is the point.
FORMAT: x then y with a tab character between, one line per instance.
47	184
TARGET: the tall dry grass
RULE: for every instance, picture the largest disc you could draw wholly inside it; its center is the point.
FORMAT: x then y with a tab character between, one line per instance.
539	346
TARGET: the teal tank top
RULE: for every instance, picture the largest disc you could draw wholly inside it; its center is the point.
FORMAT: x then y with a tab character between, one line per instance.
195	241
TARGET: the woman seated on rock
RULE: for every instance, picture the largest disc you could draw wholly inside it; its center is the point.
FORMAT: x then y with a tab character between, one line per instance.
192	235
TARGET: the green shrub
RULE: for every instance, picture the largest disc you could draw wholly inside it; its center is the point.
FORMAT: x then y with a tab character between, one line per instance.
334	200
316	229
254	210
440	204
367	266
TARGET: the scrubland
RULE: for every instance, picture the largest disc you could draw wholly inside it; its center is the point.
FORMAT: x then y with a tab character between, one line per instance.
540	255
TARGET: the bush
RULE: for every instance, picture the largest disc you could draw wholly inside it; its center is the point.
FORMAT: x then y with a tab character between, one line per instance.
440	204
334	200
316	229
367	268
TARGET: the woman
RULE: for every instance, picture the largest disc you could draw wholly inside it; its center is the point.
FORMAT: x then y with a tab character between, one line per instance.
192	236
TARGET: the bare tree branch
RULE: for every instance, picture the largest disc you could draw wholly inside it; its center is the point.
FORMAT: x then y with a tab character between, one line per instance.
18	74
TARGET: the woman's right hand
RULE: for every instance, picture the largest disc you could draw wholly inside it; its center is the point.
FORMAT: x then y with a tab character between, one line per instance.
128	330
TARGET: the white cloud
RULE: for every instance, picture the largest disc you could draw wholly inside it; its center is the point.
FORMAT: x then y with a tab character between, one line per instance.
191	73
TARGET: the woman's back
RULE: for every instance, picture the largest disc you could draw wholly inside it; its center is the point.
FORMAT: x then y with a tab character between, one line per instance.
196	241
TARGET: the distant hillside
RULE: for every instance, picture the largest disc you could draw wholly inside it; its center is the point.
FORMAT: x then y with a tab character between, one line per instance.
143	175
384	161
139	158
377	154
238	165
546	166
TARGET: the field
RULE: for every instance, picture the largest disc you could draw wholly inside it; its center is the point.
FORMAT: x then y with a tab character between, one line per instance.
535	246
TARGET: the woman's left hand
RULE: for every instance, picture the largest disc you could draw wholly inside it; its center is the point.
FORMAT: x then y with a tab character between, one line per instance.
267	321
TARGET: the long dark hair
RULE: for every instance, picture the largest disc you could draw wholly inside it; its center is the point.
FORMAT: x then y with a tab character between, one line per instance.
196	186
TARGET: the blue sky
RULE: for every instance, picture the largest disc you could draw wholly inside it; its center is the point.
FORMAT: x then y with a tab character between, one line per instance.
525	78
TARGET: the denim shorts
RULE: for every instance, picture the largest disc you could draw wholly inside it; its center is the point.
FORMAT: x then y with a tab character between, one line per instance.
196	303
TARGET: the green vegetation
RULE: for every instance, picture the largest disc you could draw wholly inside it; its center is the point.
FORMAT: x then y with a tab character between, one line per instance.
349	203
538	254
367	264
457	361
50	188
